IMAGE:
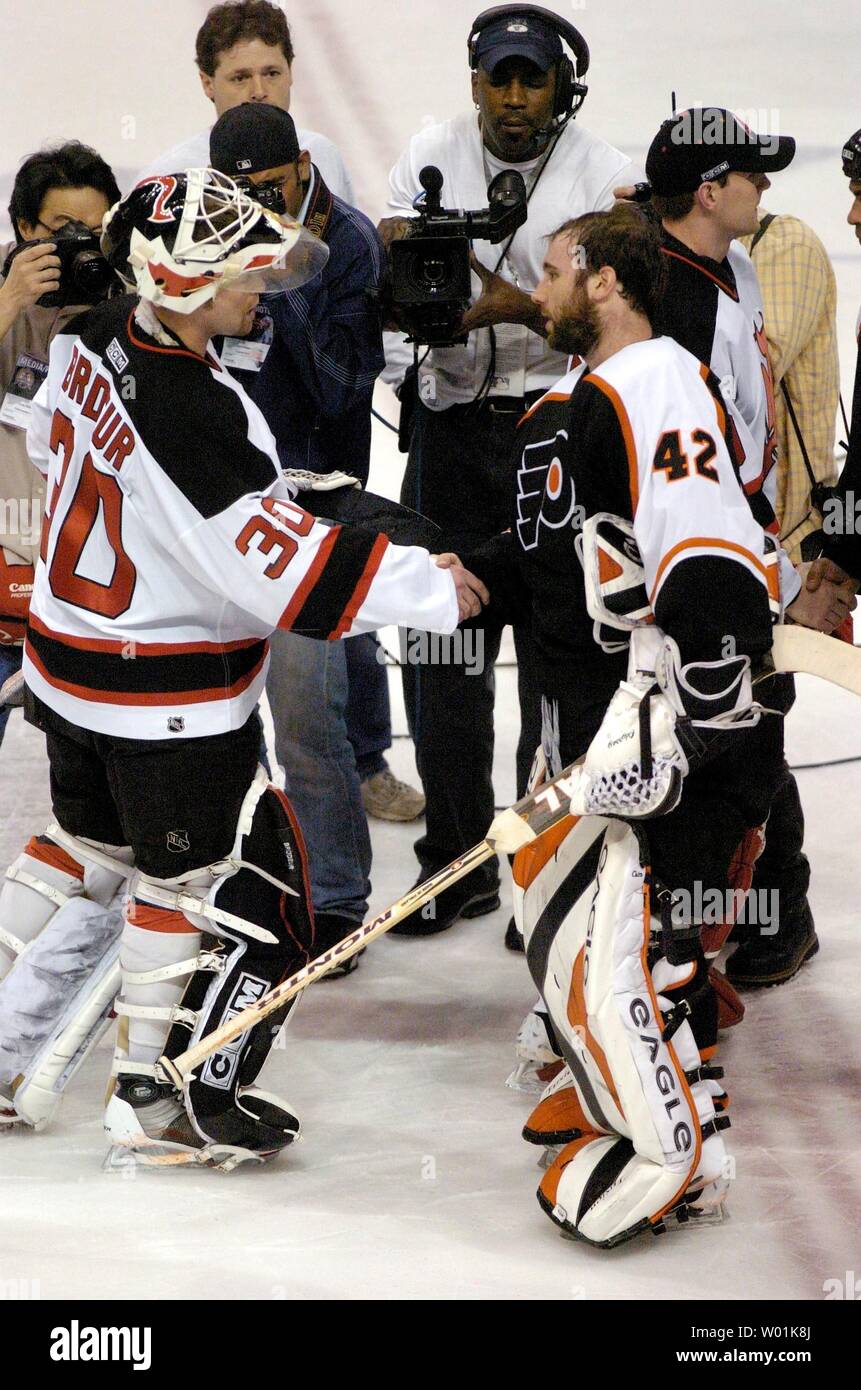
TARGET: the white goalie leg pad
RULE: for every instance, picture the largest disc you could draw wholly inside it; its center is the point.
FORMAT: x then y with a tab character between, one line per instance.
54	868
635	1071
55	1006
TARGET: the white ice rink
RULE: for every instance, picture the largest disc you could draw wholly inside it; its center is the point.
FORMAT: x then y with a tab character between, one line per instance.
411	1180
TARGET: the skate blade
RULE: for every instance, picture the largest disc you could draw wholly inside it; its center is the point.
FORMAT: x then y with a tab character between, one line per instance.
128	1158
692	1218
549	1156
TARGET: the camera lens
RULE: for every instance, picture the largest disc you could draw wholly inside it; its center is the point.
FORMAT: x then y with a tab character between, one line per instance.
433	272
90	272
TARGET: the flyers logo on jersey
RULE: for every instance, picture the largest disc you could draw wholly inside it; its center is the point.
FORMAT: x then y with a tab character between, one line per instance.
545	493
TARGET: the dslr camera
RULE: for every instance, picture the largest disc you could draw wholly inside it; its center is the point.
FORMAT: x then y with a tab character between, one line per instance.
429	284
85	276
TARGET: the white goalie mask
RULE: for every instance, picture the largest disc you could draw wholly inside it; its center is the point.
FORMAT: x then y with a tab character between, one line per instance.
180	238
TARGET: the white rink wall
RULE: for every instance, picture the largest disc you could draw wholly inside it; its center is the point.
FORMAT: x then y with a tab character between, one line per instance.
123	78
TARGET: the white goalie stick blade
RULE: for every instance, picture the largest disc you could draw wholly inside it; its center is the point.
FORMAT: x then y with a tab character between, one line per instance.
802	651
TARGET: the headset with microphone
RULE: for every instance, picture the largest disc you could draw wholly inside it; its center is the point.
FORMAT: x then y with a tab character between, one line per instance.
570	90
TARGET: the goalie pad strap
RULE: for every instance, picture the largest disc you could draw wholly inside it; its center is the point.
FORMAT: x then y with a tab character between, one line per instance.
176	1014
14	943
149	891
17	874
206	960
704	1073
82	850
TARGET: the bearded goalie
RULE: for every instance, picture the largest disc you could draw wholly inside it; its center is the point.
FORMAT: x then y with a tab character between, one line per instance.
652	592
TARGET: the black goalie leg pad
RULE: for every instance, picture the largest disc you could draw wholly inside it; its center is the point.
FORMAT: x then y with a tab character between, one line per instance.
271	937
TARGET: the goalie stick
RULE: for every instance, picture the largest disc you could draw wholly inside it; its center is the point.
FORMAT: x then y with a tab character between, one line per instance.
795	650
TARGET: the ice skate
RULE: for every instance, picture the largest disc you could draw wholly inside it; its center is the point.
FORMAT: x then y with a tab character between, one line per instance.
149	1127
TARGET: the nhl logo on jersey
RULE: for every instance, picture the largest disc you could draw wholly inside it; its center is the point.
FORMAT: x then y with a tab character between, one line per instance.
178	841
175	724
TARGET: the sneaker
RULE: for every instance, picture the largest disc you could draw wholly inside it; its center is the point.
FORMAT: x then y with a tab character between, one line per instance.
461	900
772	960
387	798
329	929
148	1127
514	937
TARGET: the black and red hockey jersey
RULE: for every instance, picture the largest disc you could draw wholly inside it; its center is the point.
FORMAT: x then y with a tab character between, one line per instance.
646	437
172	546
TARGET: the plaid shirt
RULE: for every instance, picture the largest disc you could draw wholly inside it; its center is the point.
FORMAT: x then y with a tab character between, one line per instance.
800	297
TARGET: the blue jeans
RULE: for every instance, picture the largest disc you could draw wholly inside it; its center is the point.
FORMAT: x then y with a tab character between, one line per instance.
368	714
307	691
10	662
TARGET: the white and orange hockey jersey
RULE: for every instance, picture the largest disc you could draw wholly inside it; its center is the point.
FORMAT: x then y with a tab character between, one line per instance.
172	547
645	436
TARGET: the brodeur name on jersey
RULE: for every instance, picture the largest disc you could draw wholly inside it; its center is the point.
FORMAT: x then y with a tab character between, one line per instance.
646	437
172	546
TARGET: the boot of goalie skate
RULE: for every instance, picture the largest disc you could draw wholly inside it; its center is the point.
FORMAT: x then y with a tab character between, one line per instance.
149	1127
538	1054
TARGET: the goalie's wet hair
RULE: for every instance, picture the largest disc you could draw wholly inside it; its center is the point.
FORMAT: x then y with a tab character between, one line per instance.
628	240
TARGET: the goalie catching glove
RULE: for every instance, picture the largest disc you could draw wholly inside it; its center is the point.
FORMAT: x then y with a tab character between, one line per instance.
665	718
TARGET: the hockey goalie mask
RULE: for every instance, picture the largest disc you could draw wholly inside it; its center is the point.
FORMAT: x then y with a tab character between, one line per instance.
180	238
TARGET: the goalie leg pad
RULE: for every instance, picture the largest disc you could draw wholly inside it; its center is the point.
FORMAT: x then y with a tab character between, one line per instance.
623	1028
256	903
44	878
55	1005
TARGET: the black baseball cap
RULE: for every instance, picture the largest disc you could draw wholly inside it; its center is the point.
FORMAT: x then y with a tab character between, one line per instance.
252	137
851	156
700	144
518	36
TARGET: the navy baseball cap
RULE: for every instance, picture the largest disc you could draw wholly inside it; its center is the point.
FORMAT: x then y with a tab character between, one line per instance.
695	146
252	137
521	36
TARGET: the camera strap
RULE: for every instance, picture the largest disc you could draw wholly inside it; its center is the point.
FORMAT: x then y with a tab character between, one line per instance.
531	185
764	225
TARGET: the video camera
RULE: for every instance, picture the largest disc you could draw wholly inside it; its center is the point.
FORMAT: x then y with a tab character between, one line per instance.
85	276
430	286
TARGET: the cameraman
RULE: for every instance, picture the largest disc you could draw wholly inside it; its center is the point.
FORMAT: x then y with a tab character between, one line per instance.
53	191
460	470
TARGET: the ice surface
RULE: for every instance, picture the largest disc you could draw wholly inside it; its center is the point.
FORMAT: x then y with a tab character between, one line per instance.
411	1180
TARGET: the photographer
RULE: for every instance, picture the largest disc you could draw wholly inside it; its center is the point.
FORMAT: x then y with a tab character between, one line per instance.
57	194
526	89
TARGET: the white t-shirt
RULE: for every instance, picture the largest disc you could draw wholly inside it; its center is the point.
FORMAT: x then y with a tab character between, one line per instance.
578	176
194	154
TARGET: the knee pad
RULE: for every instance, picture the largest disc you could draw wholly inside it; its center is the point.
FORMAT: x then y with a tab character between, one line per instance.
55	1005
621	1013
256	906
